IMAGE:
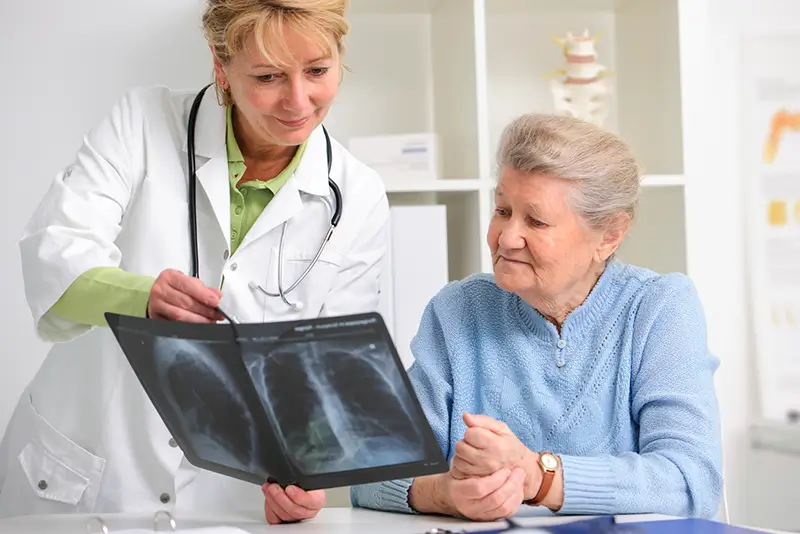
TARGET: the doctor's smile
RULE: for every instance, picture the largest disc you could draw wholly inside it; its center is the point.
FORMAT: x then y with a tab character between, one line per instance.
293	124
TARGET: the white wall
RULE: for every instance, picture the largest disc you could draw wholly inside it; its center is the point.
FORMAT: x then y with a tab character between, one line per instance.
722	235
64	64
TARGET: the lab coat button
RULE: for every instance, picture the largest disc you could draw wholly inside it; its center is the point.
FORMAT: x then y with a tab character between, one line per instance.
225	254
234	266
42	485
173	443
165	498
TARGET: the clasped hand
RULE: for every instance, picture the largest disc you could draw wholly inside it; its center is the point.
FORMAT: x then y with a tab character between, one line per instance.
487	478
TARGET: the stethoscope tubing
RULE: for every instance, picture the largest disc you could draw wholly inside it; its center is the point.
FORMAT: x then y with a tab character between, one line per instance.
335	210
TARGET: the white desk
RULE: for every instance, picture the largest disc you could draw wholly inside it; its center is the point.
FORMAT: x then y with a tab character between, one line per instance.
329	521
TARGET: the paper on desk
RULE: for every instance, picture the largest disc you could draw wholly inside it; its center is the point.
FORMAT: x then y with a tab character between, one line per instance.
192	530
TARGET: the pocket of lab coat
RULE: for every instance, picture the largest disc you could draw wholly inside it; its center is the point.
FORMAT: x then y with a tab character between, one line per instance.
49	478
52	474
311	292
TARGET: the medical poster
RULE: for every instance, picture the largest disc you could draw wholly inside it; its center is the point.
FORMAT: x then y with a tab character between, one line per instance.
771	150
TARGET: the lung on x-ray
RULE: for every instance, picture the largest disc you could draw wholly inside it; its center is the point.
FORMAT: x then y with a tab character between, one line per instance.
319	403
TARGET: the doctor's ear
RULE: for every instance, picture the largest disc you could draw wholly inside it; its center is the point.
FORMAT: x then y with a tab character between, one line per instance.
219	70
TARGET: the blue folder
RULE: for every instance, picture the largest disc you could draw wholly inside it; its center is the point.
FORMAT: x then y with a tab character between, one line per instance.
607	525
691	526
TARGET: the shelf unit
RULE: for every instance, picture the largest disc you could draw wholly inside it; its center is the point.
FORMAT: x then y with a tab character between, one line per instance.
464	68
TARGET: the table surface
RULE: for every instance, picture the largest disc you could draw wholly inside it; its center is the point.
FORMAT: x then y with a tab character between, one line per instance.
329	521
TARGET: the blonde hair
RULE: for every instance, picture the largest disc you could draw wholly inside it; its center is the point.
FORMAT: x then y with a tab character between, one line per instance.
606	173
228	24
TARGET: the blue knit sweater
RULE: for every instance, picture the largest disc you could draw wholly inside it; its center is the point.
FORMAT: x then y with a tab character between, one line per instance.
625	395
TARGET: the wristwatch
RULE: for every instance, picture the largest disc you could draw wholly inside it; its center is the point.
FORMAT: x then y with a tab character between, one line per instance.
550	464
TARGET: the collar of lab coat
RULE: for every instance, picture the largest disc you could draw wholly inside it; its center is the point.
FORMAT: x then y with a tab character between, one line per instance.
312	171
311	175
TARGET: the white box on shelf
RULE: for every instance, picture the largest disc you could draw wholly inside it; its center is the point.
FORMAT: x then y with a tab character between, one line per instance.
408	157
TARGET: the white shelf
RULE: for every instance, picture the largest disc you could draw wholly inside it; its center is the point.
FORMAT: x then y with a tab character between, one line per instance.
463	69
391	7
388	7
433	186
465	185
518	6
413	69
638	43
779	437
664	180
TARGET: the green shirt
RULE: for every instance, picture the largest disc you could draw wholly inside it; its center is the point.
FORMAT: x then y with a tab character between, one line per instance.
110	289
249	199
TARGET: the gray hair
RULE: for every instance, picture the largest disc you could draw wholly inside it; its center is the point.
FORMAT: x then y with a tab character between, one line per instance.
603	167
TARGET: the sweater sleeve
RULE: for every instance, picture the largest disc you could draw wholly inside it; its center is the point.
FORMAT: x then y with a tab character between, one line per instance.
678	469
432	381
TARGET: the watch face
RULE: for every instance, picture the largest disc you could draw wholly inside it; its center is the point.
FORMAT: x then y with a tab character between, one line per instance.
549	461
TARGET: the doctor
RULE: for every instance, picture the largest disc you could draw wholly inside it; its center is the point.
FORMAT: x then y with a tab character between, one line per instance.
116	232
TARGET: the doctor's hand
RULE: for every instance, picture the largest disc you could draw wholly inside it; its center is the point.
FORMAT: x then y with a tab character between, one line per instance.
176	296
291	504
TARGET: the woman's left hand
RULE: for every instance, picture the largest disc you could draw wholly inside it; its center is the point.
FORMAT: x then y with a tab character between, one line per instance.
291	504
488	446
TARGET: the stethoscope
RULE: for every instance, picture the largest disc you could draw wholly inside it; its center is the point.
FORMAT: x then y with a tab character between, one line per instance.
335	209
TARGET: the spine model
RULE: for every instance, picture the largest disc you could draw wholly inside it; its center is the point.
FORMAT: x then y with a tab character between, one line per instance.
582	90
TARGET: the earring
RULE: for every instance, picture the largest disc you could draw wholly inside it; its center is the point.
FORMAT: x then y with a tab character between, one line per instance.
223	97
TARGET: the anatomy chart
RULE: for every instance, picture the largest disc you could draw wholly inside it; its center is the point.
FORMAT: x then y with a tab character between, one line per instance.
771	130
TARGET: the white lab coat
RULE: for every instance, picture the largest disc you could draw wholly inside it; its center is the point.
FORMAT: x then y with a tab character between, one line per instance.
84	436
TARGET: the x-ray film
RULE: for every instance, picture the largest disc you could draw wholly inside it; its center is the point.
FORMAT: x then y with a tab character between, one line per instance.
319	403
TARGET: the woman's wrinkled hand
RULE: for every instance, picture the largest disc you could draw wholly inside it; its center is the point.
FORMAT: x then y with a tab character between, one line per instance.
291	504
488	446
486	498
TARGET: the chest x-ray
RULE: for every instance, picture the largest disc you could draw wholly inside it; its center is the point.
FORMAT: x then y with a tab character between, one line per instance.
320	403
338	402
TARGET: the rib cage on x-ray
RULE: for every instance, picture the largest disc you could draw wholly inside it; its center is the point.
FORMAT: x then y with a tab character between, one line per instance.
216	418
338	404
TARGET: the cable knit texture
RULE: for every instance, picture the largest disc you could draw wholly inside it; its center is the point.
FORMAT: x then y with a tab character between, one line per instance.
625	395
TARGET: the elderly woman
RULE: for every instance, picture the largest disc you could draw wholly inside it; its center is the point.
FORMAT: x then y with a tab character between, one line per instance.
113	234
567	380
